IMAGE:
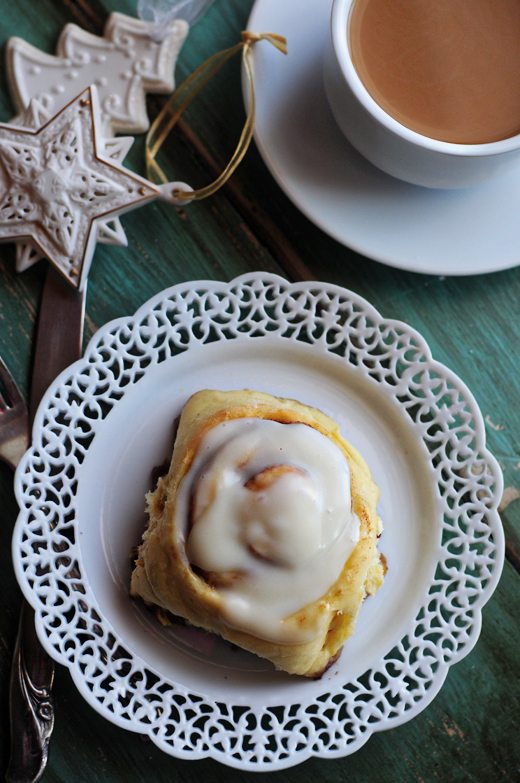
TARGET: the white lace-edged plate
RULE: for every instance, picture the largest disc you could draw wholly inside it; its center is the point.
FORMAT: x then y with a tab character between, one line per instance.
107	421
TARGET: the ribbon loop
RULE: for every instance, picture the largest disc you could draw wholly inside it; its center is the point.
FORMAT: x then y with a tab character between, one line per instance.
184	95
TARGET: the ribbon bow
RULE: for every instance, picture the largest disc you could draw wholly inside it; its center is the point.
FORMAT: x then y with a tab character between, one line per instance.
184	95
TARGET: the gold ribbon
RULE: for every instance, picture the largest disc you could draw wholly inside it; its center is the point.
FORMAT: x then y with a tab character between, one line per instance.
184	95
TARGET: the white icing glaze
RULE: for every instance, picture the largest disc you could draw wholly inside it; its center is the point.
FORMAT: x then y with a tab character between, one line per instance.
288	540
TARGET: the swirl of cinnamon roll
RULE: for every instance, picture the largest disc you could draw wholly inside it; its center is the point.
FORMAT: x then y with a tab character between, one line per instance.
271	521
264	530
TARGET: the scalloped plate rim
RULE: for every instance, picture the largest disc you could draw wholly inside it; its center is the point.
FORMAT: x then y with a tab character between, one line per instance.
492	514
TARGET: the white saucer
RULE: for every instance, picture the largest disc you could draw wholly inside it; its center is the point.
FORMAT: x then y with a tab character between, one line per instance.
463	232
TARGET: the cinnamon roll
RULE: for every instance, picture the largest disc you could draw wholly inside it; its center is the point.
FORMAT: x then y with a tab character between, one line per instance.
264	530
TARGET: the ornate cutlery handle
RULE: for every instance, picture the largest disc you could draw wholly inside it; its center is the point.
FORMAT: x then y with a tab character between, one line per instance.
58	344
32	710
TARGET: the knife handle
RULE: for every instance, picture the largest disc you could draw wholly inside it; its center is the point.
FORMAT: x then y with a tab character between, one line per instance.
59	335
31	705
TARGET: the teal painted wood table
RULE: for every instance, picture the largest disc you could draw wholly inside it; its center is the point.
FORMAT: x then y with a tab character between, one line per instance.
472	324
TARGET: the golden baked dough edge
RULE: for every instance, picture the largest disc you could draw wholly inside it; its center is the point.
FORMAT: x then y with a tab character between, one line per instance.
162	573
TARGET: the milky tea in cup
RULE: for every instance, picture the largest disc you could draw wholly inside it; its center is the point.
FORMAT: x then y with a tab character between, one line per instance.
446	69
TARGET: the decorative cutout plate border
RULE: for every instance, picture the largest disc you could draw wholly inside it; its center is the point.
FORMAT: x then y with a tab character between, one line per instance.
116	682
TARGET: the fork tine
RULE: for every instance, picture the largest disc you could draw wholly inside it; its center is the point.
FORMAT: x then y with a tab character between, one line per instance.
12	392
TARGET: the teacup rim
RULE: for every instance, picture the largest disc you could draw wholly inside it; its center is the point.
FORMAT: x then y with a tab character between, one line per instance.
339	32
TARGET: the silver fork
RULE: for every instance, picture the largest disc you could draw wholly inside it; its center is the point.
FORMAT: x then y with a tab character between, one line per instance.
31	710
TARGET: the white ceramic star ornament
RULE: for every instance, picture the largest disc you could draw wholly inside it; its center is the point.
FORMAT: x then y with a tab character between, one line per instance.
63	184
129	60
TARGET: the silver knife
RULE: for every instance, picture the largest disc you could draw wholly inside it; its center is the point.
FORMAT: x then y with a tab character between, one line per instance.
59	341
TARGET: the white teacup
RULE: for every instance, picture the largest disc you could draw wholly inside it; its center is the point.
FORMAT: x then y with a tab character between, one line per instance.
387	143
